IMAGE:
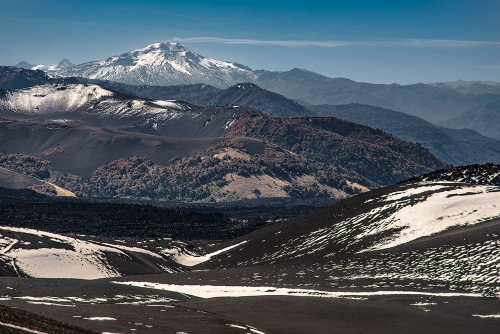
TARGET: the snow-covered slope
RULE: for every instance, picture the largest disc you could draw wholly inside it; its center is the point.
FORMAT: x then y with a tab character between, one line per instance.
37	253
46	99
161	64
378	220
51	99
96	106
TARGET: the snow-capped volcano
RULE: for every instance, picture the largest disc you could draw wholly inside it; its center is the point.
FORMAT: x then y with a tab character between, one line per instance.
162	64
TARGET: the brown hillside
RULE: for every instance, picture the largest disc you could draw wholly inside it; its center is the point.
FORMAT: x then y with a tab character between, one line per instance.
236	169
80	150
374	154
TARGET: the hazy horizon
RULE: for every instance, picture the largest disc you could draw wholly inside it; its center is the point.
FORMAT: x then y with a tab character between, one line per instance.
383	42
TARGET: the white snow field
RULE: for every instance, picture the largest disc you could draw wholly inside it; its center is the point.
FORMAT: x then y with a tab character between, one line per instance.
213	291
400	217
50	255
81	99
438	212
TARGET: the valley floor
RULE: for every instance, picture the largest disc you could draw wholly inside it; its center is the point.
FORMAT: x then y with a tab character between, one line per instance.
104	306
417	257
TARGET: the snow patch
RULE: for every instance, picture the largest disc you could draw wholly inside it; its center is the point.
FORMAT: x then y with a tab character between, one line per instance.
189	259
168	104
423	304
213	291
74	259
440	211
485	316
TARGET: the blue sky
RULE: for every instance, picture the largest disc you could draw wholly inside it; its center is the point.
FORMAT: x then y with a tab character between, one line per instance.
371	41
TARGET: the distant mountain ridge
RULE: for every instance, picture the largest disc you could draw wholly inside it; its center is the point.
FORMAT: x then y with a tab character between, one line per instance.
147	116
465	83
458	147
251	95
93	105
25	65
244	93
16	78
165	64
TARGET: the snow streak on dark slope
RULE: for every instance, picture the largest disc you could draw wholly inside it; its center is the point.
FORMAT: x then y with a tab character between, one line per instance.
162	64
380	219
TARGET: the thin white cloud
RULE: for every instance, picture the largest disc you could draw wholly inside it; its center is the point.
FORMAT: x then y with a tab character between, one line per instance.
418	43
488	66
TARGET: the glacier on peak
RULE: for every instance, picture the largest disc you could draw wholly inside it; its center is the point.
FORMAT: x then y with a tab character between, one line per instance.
164	46
159	64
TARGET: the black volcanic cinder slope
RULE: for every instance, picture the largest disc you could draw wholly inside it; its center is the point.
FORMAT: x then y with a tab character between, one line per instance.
10	196
16	321
377	222
25	208
433	270
485	174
